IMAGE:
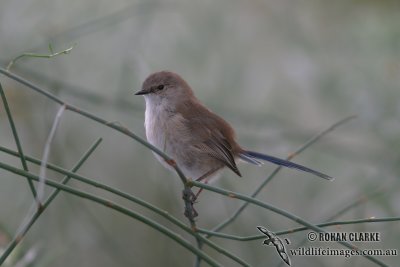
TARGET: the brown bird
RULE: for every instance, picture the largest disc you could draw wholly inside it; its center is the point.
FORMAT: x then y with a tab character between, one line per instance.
201	142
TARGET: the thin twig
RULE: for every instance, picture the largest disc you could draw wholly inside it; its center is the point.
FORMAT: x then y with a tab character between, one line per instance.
36	55
311	141
93	117
189	210
291	216
298	229
16	138
134	199
21	234
46	152
360	200
94	183
343	210
197	260
78	91
112	205
188	204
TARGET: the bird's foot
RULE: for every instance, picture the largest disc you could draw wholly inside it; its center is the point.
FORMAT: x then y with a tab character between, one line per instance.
189	197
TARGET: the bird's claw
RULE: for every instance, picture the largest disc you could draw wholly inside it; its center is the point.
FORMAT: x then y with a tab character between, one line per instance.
190	198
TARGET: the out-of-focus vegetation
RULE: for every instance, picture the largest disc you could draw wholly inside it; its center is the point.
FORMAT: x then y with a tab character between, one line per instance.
279	71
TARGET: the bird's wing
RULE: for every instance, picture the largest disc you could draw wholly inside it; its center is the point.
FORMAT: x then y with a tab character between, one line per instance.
218	147
213	135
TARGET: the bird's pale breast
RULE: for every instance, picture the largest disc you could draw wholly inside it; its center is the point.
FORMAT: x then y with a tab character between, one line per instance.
168	131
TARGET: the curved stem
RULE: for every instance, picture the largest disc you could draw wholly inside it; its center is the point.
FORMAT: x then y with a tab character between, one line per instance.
314	139
277	210
16	138
109	204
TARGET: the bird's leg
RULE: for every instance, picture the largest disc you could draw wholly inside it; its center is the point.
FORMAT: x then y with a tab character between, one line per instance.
190	198
200	190
207	174
203	177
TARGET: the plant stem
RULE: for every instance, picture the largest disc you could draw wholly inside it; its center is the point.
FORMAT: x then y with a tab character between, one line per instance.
16	138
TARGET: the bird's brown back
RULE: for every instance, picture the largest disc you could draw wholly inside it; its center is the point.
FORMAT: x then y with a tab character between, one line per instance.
213	133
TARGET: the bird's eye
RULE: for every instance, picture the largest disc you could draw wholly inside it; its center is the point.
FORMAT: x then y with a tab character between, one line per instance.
160	87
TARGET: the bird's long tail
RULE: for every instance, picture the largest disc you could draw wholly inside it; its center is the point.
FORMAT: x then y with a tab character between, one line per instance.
253	157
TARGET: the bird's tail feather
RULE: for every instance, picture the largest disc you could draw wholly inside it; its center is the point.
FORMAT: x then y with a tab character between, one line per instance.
251	157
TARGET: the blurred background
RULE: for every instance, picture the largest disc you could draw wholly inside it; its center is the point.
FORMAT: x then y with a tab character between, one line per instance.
278	71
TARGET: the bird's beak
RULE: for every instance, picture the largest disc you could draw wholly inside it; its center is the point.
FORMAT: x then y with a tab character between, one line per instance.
141	92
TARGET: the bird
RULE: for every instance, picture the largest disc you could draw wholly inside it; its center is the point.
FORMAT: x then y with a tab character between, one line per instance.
200	142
